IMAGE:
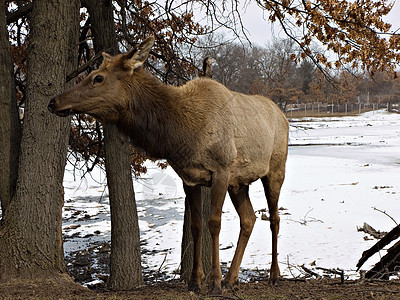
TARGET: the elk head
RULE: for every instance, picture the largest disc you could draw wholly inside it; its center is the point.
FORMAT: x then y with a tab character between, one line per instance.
105	92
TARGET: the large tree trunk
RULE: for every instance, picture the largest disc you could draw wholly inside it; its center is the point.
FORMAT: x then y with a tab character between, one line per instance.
125	267
30	237
10	129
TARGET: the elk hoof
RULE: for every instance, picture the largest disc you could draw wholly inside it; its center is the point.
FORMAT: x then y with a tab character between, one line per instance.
194	287
274	281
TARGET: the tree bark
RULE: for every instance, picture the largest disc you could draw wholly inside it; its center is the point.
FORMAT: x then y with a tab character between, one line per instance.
187	240
125	262
30	238
10	128
125	266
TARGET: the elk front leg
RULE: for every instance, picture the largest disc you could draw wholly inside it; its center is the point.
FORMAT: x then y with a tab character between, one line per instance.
218	191
193	196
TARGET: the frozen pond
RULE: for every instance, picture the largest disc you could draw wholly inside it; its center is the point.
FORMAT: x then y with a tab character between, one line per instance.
338	171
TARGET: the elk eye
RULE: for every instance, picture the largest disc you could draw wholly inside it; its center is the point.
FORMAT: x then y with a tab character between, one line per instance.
98	79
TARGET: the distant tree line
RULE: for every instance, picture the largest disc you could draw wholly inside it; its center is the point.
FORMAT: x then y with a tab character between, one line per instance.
272	71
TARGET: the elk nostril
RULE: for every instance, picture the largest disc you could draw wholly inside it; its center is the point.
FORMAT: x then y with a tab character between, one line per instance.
51	105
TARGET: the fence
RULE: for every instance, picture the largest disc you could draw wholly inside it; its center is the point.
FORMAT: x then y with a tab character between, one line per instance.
299	110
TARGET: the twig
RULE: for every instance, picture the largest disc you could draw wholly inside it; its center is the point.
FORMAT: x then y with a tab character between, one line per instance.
159	269
290	267
385	213
334	271
82	68
312	273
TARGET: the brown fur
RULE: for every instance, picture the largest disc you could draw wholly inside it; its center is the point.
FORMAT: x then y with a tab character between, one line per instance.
210	136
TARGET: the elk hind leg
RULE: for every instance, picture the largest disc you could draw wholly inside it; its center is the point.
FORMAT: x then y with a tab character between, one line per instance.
219	188
272	185
241	201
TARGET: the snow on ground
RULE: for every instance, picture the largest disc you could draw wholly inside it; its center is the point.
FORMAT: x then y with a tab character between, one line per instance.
338	171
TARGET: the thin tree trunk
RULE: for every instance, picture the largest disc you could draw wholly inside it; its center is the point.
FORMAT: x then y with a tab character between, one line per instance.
125	266
31	238
187	240
10	129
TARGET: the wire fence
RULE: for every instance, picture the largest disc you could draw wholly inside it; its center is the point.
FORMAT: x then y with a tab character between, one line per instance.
300	110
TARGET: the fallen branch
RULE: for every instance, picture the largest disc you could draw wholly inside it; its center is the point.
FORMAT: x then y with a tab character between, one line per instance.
312	273
335	272
389	237
388	265
372	231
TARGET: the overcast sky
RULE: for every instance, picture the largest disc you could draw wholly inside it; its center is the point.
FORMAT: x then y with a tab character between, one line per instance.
260	30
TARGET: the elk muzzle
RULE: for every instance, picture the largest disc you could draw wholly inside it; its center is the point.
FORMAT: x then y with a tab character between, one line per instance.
61	113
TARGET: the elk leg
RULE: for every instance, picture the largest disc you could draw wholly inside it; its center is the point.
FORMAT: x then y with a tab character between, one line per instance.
241	201
218	191
272	187
193	196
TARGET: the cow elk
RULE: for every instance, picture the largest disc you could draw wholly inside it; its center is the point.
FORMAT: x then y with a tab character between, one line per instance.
210	136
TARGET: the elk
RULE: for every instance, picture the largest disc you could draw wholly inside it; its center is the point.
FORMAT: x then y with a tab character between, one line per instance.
210	136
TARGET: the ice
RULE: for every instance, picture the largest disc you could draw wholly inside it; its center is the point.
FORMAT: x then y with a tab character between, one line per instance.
338	171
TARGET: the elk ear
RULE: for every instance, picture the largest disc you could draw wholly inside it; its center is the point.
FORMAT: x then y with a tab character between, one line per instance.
106	59
136	57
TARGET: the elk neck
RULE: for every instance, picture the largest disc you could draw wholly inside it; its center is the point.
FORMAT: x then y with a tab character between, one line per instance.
152	119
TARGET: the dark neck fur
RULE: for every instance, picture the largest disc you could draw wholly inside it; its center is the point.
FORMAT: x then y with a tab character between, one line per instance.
150	120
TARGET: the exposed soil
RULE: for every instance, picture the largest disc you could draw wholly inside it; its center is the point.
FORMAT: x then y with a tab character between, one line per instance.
161	286
287	289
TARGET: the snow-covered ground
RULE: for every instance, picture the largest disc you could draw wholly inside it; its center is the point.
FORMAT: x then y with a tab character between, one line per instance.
338	171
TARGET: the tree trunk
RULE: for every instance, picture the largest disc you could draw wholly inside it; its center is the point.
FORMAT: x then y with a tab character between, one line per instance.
30	238
187	240
10	129
126	270
125	266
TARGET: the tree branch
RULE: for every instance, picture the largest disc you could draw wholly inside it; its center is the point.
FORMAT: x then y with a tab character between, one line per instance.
19	13
82	68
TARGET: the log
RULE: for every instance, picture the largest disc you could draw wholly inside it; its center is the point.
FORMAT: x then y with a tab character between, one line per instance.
387	266
388	238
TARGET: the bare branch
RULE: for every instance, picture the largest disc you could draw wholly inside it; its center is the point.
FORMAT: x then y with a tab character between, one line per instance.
84	67
22	11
